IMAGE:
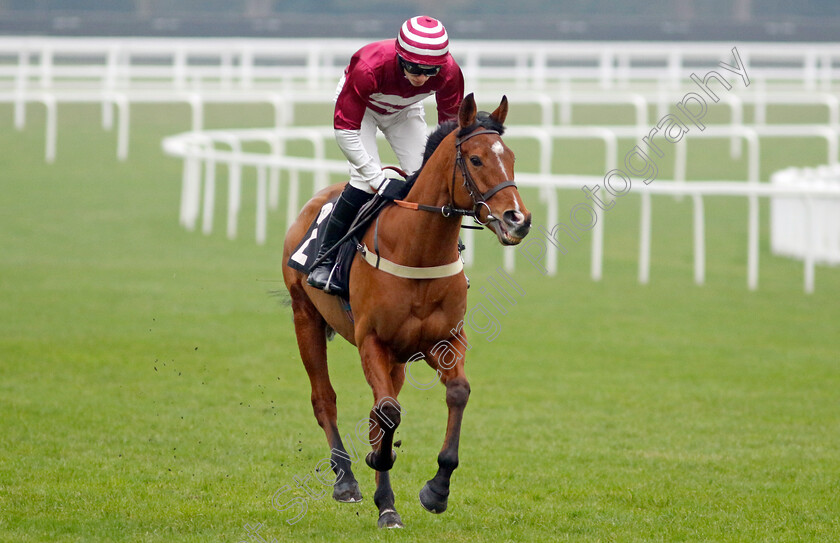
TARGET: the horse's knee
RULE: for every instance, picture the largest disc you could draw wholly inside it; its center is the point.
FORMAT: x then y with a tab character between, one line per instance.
388	412
457	393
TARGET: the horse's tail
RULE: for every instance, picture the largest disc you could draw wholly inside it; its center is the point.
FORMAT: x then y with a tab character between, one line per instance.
283	297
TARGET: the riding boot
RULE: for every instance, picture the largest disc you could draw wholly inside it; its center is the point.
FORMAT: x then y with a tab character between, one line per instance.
345	210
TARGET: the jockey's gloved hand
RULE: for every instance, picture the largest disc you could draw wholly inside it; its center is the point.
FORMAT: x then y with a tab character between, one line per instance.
393	189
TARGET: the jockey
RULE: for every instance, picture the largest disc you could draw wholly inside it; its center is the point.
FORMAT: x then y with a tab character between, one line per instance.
383	88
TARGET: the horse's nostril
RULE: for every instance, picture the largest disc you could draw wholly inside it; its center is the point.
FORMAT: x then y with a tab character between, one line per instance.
514	217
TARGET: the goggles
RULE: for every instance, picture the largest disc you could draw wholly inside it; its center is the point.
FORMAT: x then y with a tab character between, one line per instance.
419	69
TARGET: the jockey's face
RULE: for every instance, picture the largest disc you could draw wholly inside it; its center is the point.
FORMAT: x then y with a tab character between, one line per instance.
416	80
418	74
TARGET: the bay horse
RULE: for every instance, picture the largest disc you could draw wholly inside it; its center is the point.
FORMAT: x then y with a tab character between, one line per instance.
467	170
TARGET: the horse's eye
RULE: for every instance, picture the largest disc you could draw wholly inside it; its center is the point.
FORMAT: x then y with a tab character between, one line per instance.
475	161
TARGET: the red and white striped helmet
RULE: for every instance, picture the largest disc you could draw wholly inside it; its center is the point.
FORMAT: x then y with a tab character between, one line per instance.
423	40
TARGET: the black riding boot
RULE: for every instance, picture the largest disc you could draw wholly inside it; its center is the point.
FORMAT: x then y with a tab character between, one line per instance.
345	210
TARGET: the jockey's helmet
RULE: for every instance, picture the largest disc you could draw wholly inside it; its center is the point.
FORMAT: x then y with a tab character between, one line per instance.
423	40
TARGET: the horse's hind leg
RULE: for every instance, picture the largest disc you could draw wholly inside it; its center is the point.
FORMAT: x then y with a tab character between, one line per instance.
310	330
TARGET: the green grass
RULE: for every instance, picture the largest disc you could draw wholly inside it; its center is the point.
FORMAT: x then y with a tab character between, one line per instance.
151	390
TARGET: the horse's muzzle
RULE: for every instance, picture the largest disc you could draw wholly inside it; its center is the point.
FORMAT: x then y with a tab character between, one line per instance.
512	227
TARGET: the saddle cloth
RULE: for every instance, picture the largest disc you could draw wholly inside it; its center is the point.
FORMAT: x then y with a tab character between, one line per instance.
307	250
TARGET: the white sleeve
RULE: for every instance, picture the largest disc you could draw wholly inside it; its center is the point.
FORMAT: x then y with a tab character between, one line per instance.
368	169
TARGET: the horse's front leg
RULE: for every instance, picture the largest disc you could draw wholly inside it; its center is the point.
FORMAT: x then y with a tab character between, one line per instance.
434	495
378	364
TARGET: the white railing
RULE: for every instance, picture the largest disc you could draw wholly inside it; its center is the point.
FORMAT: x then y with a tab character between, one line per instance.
227	63
201	156
554	108
116	73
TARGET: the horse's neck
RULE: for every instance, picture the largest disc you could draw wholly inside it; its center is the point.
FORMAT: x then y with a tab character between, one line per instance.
426	238
433	184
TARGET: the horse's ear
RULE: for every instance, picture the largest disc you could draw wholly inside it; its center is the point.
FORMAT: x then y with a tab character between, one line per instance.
501	111
466	114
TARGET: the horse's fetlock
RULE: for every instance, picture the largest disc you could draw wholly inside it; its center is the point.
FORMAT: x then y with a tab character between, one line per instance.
383	497
448	460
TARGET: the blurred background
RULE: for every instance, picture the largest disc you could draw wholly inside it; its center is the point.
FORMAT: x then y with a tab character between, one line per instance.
773	20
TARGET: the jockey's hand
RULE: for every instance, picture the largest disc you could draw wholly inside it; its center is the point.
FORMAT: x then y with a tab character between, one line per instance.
393	189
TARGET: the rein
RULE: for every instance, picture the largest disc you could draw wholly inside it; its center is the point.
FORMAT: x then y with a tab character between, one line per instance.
479	199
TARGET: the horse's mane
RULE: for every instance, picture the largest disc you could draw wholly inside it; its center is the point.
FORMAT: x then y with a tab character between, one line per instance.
482	119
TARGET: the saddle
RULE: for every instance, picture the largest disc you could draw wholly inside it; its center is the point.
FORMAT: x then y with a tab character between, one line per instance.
304	255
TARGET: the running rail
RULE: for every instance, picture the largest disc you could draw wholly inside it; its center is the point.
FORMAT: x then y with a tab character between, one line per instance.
201	154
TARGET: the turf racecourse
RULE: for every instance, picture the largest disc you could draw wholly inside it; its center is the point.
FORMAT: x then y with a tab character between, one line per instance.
151	390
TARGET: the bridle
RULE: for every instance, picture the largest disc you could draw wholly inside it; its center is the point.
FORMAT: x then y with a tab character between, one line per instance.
479	199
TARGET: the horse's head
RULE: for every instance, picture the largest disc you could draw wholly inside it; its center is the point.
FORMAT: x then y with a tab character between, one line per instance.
485	164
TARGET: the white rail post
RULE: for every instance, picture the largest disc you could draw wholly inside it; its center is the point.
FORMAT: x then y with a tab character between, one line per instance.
753	220
809	74
606	68
109	84
179	68
209	192
196	102
736	109
752	243
699	241
680	166
540	69
644	238
184	211
21	86
313	65
641	107
226	70
597	257
810	234
234	195
262	205
246	67
46	66
122	103
51	106
191	187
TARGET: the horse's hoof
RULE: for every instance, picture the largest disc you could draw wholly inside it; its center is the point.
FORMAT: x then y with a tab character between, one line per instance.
389	519
347	492
381	466
432	501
